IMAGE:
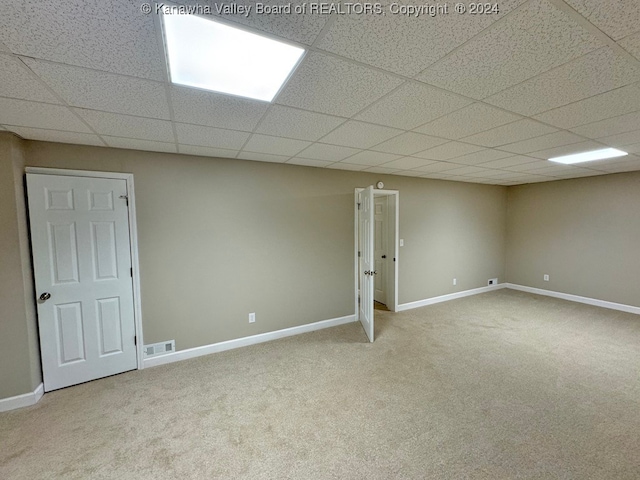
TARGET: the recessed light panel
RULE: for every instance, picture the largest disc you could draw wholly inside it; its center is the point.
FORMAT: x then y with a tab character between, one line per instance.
589	156
207	54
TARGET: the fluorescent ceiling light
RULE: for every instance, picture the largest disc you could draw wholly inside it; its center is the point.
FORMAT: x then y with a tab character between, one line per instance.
589	156
207	54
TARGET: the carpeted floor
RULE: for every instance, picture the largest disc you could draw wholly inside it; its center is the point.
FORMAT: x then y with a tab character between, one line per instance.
495	386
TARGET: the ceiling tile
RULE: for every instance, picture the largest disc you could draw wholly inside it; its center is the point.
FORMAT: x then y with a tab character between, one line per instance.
622	139
529	41
510	133
117	125
274	145
263	157
610	126
210	137
407	163
333	86
39	115
135	144
110	36
566	150
216	110
367	157
617	18
330	153
480	156
57	136
300	124
303	28
411	105
347	166
408	143
308	162
448	151
381	170
359	135
629	165
549	169
594	73
550	140
95	90
438	167
633	148
599	107
465	170
392	41
434	175
416	173
207	151
467	121
509	162
631	44
17	81
524	167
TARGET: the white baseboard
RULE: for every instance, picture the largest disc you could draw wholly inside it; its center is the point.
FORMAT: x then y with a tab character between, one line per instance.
576	298
24	400
245	341
450	296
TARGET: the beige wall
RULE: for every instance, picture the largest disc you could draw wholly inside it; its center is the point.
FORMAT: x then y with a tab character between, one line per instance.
220	238
584	233
19	355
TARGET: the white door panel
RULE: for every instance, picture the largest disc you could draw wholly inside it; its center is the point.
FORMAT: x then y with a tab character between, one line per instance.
82	258
380	249
367	267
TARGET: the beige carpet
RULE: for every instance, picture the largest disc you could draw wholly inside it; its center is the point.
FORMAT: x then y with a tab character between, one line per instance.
500	385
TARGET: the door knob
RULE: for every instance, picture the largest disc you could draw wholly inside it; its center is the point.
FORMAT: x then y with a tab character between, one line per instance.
45	296
384	256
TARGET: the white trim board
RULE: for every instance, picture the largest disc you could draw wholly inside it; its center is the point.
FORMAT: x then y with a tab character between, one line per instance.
450	296
245	341
576	298
24	400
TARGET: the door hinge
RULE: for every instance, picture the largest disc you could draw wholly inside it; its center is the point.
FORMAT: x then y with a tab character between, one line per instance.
359	254
131	272
359	205
126	197
135	340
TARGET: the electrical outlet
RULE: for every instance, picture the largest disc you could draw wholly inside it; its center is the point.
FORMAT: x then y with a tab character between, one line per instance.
546	277
455	281
402	242
252	318
493	281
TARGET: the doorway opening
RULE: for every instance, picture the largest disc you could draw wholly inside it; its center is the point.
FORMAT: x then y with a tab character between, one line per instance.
376	232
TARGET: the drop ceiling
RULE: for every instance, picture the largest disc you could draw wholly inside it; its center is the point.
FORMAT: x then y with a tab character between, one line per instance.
473	98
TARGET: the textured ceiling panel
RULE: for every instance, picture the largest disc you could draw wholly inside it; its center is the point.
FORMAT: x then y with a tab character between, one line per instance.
397	42
329	153
594	73
17	81
299	124
411	105
467	121
532	40
39	115
359	135
510	133
274	145
210	137
57	136
599	107
616	18
545	141
117	125
135	144
333	86
96	90
610	126
370	158
113	36
448	151
215	110
408	143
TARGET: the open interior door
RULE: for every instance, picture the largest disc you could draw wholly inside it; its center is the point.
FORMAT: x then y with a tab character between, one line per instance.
366	273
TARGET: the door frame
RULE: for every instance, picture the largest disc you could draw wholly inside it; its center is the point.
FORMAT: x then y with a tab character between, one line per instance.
395	230
133	239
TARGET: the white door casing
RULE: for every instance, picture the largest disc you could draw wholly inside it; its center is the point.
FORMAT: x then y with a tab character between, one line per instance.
365	239
82	259
381	238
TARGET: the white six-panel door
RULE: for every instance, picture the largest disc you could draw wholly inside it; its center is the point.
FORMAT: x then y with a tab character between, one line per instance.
367	267
380	248
82	267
